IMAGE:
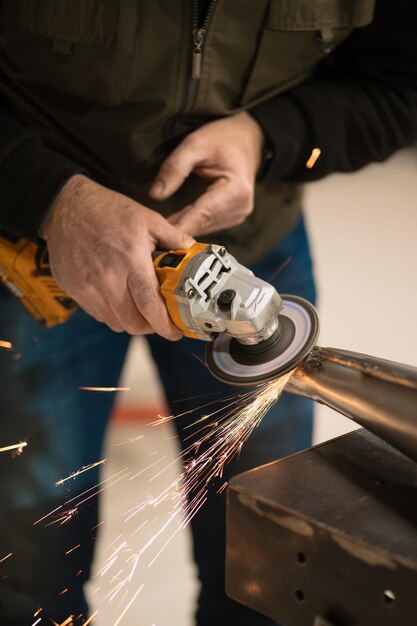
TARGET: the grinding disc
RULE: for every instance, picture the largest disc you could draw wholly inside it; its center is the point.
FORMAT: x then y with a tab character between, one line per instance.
239	364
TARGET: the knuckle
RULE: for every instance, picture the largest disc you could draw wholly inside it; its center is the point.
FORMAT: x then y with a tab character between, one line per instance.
115	327
247	208
245	194
134	329
240	219
135	326
206	216
245	201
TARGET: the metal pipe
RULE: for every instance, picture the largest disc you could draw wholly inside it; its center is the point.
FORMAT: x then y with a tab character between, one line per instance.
377	394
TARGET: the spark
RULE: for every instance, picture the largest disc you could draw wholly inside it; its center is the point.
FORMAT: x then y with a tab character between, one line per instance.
104	389
74	548
67	622
90	619
6	557
108	565
135	562
7	345
127	607
214	439
130	440
63	518
148	467
111	560
37	621
73	511
36	613
280	269
219	441
63	592
315	153
123	598
15	446
83	469
139	527
223	487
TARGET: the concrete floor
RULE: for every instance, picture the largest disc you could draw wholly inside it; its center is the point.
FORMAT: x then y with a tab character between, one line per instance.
363	230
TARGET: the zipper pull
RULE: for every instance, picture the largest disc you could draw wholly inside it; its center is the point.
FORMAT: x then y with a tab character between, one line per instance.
198	41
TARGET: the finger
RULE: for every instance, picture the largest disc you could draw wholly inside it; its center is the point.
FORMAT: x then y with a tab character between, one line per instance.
168	236
101	312
175	218
225	204
126	313
144	287
112	321
208	214
175	169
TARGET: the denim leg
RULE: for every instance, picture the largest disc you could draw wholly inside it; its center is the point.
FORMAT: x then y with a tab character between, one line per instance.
41	403
285	429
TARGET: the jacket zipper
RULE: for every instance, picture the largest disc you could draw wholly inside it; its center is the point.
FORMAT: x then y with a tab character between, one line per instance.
199	34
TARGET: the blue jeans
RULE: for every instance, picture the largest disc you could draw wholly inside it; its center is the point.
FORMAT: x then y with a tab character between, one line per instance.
40	402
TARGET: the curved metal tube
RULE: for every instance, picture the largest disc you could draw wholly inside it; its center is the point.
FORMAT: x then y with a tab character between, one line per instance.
377	394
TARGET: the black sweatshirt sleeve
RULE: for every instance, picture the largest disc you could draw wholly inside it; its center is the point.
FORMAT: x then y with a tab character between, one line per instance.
360	106
30	177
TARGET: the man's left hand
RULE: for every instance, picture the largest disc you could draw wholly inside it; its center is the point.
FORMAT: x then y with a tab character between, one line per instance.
227	153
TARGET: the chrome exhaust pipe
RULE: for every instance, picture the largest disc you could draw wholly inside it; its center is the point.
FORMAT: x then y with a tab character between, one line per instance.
379	395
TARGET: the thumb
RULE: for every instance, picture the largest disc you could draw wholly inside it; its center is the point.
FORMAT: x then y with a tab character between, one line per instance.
174	170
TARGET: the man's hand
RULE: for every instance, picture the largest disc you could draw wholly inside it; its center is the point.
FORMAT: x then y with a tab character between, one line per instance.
100	247
227	153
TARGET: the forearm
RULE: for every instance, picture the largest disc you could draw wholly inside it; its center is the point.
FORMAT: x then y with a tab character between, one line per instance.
360	109
30	177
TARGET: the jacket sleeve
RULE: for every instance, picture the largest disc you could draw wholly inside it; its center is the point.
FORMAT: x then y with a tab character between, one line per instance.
359	107
30	177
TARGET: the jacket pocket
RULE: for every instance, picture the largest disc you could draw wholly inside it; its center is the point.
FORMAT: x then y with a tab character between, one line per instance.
298	34
80	47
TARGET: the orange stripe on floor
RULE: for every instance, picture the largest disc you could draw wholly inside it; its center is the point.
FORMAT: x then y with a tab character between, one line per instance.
139	413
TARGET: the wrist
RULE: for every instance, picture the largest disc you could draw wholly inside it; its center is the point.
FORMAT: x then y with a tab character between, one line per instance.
264	148
61	198
267	151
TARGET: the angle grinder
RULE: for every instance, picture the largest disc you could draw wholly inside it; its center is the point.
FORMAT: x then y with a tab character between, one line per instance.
254	334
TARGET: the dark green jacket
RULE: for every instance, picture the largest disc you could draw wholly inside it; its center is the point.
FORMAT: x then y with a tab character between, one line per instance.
105	86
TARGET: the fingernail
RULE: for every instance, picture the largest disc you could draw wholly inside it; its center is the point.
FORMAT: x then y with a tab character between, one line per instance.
158	187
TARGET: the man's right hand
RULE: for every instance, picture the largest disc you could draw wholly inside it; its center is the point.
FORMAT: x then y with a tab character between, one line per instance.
100	245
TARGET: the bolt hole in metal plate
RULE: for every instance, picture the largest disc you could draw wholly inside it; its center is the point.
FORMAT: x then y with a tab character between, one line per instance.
304	323
301	558
299	594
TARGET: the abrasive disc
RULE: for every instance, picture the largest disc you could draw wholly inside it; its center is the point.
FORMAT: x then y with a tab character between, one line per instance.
238	364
